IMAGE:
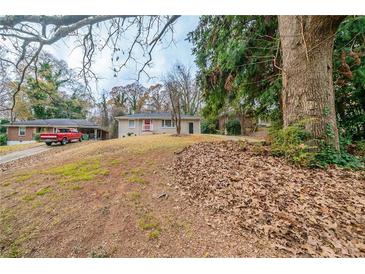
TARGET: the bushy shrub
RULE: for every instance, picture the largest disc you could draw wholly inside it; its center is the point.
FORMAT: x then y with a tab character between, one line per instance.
328	155
3	139
208	127
290	142
3	122
233	127
37	137
360	148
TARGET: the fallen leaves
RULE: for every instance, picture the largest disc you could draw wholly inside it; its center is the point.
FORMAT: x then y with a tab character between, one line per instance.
304	212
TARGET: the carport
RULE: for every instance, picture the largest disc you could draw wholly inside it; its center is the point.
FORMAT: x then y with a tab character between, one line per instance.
25	131
95	133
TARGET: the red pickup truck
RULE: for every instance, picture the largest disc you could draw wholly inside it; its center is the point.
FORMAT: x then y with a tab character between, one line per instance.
62	135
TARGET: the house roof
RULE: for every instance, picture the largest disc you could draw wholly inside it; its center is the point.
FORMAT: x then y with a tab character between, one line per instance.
155	115
78	123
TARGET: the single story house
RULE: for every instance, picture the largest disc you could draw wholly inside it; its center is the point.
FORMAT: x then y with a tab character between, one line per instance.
25	131
155	123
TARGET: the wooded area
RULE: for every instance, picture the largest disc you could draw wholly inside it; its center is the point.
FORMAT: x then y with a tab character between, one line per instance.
301	72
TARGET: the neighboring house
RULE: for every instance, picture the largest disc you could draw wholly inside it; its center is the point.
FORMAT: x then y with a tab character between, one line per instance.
251	123
24	131
224	117
155	123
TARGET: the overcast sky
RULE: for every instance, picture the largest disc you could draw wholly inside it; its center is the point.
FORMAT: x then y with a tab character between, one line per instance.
163	58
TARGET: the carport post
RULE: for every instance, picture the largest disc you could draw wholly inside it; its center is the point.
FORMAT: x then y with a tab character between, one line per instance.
95	134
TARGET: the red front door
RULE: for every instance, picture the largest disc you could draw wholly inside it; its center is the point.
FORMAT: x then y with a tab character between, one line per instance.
147	125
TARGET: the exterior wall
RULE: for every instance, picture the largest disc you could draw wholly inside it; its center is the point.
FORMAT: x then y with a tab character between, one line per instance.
14	138
157	127
13	134
123	128
185	126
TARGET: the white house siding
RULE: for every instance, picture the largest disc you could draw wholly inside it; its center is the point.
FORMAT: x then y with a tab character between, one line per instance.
123	128
185	126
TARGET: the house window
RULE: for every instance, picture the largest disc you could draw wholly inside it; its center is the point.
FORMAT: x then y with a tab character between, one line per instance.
168	123
131	123
21	131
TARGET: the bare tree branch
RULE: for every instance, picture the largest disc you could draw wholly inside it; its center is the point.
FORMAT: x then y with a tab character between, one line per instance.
25	36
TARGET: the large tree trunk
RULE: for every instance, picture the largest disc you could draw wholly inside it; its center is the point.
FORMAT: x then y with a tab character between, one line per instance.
307	49
242	119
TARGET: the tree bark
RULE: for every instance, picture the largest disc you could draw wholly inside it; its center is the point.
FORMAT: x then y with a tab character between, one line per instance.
307	49
242	118
178	117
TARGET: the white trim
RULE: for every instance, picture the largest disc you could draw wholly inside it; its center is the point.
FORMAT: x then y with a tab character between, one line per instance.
163	123
25	132
134	123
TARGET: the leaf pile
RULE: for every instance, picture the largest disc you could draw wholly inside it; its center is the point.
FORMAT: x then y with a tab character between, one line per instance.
303	212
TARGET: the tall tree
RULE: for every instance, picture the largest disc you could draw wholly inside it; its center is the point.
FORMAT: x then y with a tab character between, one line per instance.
25	36
172	88
133	97
46	97
308	93
119	100
184	95
349	77
104	109
190	94
238	62
158	98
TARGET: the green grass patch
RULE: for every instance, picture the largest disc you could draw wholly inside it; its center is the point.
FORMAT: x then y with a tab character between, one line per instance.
14	251
151	224
28	197
6	184
133	171
36	204
135	179
85	170
76	187
23	177
115	162
154	234
6	217
135	176
148	222
44	191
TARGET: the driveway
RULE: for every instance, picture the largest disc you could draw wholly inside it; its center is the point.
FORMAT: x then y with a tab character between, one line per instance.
23	153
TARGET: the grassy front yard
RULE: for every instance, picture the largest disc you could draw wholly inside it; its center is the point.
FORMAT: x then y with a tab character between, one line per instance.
149	196
97	200
8	149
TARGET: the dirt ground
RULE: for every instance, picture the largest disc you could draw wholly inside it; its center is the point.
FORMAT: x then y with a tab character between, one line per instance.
107	199
123	198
